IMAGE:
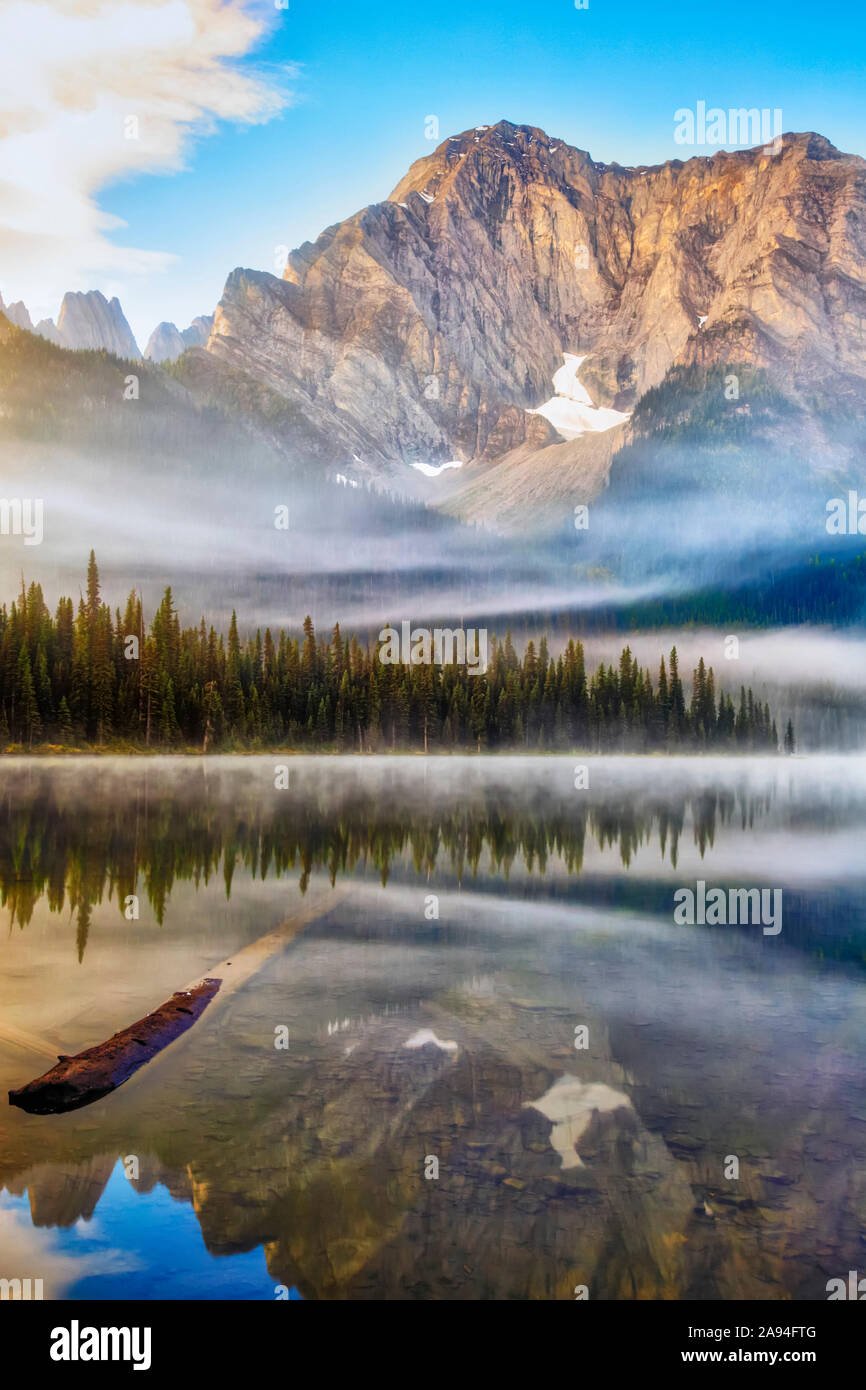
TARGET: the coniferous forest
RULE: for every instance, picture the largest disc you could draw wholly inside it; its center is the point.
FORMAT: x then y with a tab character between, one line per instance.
93	678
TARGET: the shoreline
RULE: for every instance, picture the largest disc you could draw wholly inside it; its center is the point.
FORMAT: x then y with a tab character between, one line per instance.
124	751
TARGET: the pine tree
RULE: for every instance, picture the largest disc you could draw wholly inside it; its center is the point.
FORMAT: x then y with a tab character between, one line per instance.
27	706
64	722
233	702
677	703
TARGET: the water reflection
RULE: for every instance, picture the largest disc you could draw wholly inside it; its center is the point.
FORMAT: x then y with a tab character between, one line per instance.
77	839
454	1037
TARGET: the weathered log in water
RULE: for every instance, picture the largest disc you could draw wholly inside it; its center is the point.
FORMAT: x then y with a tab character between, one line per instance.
91	1074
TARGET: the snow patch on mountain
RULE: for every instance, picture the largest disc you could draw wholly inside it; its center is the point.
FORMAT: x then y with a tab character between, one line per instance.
432	470
571	411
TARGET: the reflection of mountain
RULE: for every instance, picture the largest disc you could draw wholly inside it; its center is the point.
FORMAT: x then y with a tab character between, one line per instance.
318	1153
60	1195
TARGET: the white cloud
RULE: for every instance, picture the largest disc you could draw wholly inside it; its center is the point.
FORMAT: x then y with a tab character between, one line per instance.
71	74
37	1253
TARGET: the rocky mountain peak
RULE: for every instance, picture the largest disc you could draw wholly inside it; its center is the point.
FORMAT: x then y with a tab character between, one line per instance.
524	149
429	328
166	343
88	320
17	313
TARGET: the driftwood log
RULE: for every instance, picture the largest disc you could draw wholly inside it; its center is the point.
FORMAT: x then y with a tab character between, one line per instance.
89	1075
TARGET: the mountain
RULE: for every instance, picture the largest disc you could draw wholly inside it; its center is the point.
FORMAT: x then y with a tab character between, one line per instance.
191	476
17	313
509	306
86	320
166	343
89	320
47	328
118	474
518	331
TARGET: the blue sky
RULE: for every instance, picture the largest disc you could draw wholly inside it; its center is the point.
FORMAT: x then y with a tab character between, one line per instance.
363	78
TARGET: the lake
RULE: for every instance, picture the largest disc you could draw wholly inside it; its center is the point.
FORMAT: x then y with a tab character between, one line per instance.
468	1051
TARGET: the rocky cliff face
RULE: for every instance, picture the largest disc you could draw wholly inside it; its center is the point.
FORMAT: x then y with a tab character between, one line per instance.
47	328
89	320
428	328
86	320
17	313
166	343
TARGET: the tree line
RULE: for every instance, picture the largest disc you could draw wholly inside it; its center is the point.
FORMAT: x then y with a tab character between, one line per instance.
88	676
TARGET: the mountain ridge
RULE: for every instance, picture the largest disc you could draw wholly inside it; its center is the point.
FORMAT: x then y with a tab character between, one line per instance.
481	339
428	327
87	320
167	343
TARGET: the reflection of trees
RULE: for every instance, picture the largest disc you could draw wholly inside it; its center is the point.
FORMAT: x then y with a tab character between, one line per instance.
77	851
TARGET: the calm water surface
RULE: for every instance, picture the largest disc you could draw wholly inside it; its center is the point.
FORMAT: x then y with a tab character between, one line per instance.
444	927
